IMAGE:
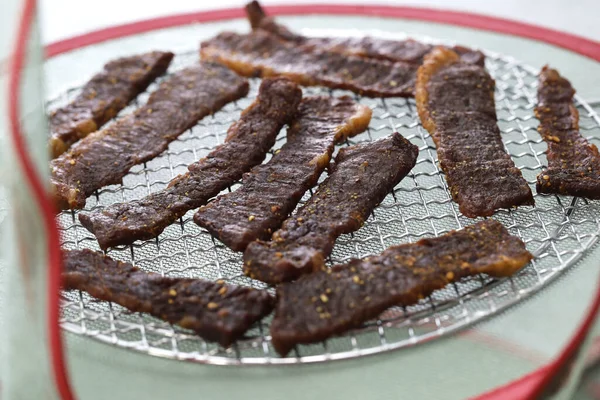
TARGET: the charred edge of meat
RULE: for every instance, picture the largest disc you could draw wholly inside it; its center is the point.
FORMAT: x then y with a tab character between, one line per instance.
246	145
216	311
106	156
267	195
491	166
79	118
573	162
262	54
358	181
327	303
367	47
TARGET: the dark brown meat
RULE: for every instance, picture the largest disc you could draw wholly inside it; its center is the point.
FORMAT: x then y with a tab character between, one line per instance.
409	50
107	93
270	191
104	157
214	310
246	145
359	180
262	54
329	302
573	162
259	20
455	101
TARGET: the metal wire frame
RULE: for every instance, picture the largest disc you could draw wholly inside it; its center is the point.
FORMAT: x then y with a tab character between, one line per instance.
559	231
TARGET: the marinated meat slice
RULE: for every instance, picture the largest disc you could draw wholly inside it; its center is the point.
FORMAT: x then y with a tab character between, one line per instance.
270	192
246	145
259	20
573	162
216	311
261	54
408	50
107	93
329	302
359	180
455	101
477	183
104	157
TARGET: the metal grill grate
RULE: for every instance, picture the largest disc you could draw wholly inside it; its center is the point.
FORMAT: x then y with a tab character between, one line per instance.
559	230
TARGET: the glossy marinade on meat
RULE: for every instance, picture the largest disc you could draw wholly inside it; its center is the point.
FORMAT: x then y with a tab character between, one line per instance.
358	181
408	50
455	101
246	145
103	96
105	157
573	162
216	311
270	192
261	54
330	302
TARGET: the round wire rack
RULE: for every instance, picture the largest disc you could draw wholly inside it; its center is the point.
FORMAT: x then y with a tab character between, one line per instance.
558	231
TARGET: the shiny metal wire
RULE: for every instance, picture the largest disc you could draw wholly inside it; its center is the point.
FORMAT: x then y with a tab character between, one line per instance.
559	230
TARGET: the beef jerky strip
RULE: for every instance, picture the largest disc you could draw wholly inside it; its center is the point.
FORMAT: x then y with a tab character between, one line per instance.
216	311
107	93
329	302
246	145
104	157
455	101
262	54
359	180
409	50
270	192
573	162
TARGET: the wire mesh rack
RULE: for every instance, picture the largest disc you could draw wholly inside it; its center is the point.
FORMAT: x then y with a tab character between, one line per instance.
558	231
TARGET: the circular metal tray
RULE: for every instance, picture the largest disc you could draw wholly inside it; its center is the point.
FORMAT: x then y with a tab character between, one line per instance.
558	231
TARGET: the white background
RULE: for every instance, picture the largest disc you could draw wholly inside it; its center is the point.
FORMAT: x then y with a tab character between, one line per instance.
65	18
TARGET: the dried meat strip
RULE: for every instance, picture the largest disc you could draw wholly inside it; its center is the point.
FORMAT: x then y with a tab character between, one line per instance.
329	302
573	162
246	145
359	180
261	54
270	191
216	311
107	93
104	157
455	101
409	50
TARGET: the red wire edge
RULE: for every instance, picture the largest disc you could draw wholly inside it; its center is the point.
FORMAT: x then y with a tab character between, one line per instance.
534	385
519	389
565	40
42	198
569	352
527	387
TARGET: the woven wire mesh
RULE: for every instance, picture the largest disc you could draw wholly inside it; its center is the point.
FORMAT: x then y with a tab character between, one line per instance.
559	230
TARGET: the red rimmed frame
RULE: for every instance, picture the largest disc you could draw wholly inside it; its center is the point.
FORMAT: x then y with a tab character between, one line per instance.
529	386
567	41
43	200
